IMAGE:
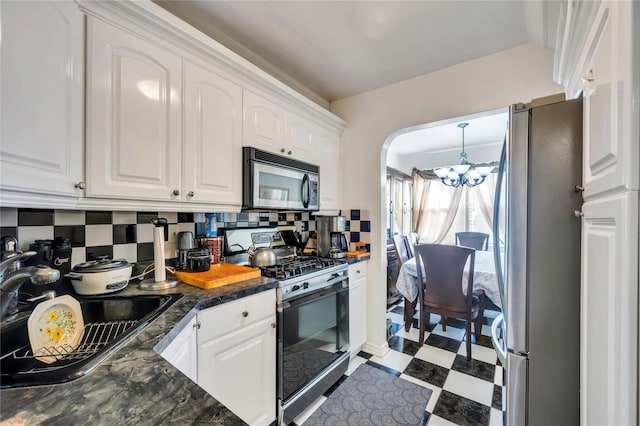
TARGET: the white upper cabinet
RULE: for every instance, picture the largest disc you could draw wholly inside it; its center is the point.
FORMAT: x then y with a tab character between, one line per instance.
212	154
327	153
272	128
133	116
299	138
41	119
263	124
610	150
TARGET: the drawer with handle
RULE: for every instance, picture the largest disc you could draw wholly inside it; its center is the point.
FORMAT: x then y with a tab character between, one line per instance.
219	320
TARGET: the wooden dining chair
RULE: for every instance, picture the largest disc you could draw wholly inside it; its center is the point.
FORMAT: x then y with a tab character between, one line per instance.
401	245
475	240
440	287
404	253
413	239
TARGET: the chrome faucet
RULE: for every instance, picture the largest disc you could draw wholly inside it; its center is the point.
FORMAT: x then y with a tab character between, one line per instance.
11	282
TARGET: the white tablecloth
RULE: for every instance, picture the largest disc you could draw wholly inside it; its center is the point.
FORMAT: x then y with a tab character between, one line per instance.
484	278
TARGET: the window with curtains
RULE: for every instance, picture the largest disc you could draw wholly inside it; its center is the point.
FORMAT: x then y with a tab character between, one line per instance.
399	203
440	211
469	217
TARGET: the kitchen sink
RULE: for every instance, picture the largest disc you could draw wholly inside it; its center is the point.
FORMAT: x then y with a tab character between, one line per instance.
110	322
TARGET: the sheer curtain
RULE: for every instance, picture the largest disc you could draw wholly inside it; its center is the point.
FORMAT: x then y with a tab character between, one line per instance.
434	206
486	195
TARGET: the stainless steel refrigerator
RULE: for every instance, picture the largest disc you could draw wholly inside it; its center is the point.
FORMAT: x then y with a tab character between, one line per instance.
538	262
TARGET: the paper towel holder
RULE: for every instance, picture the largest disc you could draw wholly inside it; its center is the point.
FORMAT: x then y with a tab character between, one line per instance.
159	281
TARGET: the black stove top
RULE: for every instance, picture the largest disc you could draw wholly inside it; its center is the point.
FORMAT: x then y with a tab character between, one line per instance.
298	266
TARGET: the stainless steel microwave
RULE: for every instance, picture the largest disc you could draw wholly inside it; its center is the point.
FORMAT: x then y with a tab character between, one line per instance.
274	182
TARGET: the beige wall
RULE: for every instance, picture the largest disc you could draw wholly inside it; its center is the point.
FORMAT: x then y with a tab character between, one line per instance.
495	81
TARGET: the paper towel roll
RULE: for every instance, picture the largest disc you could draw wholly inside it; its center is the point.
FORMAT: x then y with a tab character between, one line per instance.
158	254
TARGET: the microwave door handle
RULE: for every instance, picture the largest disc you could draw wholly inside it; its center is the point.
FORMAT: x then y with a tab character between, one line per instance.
305	190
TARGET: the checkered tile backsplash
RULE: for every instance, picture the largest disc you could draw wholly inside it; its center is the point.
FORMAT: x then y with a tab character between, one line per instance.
129	235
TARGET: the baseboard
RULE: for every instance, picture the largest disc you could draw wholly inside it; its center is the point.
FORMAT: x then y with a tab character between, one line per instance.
377	350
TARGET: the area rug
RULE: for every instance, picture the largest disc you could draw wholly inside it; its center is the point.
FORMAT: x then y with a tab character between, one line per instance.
370	396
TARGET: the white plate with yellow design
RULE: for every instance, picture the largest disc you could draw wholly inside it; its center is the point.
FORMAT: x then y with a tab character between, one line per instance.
55	328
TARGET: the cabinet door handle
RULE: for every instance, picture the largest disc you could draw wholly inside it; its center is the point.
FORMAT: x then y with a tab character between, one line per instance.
79	185
190	194
358	271
289	152
245	314
273	325
197	325
176	192
282	150
578	213
578	188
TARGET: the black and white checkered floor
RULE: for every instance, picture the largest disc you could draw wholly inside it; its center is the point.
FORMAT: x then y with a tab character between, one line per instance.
463	393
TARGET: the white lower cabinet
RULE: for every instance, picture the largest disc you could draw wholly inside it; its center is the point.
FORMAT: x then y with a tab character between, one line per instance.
357	306
237	356
182	351
609	374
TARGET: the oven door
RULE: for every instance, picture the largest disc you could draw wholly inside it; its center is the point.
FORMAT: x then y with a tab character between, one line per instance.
313	336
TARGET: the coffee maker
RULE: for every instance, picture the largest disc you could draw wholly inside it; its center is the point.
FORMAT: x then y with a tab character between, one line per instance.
330	240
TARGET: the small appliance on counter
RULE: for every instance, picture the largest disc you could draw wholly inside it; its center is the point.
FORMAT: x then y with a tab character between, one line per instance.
190	258
100	276
330	240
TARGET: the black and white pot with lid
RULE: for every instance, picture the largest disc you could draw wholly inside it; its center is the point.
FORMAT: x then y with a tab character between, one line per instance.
100	276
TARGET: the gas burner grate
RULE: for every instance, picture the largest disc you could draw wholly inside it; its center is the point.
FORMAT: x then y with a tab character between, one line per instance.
289	268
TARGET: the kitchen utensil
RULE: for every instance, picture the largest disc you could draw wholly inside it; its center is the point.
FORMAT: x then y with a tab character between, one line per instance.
261	256
218	275
100	276
55	328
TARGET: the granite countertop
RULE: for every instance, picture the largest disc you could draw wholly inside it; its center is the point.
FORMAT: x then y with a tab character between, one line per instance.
352	260
135	385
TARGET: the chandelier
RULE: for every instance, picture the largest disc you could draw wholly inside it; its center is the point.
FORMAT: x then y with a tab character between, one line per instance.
464	173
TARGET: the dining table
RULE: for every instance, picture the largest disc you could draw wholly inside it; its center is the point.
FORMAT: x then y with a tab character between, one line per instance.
485	280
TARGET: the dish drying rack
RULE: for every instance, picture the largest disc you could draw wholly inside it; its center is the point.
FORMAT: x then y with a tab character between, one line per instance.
96	337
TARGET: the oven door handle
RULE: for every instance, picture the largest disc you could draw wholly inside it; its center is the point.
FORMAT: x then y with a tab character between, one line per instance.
340	287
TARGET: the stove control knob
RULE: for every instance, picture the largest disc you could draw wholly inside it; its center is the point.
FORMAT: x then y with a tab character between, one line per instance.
305	285
295	288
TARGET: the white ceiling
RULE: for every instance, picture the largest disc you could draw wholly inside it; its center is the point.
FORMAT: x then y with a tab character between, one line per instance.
329	50
484	129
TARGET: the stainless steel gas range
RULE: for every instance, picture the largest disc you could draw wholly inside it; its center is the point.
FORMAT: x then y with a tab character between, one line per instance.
313	330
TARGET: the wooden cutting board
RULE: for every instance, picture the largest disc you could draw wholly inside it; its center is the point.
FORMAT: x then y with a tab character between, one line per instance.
219	275
357	254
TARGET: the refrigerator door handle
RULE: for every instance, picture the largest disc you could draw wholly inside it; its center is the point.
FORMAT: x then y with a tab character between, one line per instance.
497	338
496	223
517	384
